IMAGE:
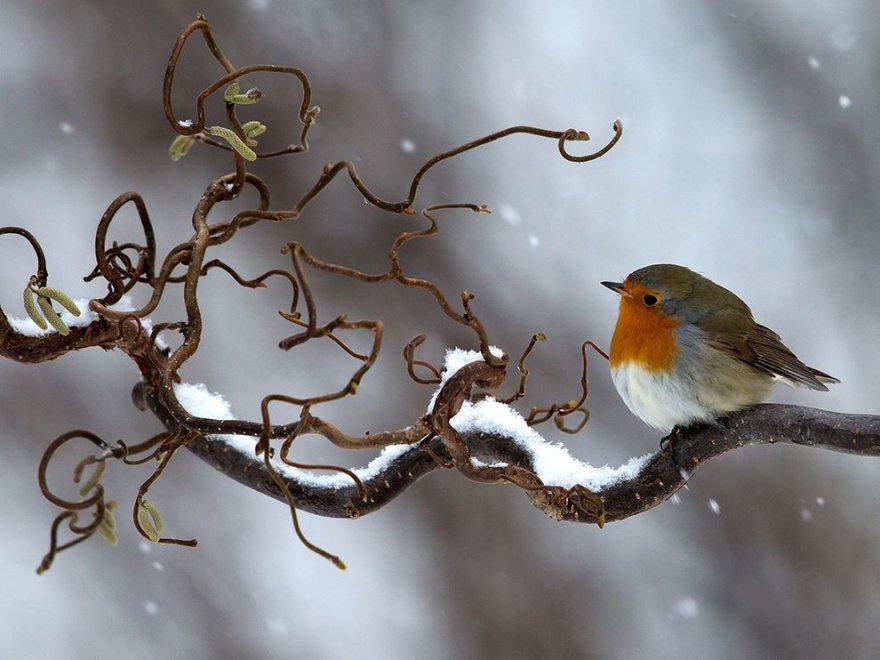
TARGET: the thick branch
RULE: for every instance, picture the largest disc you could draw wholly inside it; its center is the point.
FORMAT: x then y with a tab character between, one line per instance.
31	350
667	471
660	477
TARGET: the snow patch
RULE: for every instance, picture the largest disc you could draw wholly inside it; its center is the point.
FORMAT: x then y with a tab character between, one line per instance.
455	359
199	401
553	464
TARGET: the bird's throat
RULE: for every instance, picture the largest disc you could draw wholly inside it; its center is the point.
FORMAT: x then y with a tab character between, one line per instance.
643	336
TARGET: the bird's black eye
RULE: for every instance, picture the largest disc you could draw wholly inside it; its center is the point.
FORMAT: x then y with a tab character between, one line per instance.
649	300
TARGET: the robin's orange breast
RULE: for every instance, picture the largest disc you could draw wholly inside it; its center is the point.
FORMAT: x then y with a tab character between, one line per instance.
643	336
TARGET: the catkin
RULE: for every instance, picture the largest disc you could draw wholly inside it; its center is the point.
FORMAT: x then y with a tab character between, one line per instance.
234	141
52	316
62	298
30	306
150	520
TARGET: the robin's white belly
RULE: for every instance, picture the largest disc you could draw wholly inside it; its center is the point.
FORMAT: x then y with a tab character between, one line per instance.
663	400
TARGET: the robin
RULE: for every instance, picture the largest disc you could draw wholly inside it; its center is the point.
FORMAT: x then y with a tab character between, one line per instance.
686	350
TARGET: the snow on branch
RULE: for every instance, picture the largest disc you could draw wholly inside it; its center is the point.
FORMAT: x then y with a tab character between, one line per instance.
497	435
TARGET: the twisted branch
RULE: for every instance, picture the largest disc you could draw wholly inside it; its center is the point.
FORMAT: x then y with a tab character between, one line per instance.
661	476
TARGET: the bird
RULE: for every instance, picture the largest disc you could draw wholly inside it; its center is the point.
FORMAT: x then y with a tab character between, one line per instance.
686	350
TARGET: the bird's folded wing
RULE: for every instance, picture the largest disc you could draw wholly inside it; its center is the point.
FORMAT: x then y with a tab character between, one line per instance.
761	348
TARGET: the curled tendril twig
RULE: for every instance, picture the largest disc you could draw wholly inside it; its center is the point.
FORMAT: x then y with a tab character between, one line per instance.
411	362
559	411
42	275
113	264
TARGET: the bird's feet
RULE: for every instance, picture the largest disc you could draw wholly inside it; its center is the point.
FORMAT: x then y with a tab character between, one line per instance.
668	443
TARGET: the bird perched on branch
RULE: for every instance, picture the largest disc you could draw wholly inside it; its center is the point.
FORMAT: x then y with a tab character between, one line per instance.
686	350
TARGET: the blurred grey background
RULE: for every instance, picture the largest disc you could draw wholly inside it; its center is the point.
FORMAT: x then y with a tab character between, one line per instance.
751	153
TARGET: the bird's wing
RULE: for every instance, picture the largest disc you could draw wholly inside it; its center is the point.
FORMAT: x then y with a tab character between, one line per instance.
761	348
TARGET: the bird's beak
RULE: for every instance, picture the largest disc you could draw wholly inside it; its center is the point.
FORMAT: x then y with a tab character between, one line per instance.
617	287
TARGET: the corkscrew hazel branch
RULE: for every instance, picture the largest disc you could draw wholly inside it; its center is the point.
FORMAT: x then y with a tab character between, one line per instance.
432	438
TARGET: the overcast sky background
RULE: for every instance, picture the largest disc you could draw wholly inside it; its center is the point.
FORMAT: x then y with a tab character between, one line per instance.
751	153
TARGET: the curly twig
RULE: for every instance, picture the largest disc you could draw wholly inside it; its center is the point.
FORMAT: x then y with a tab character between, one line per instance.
42	274
431	441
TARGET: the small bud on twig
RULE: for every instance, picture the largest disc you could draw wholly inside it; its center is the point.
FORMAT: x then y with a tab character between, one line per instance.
231	95
180	146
